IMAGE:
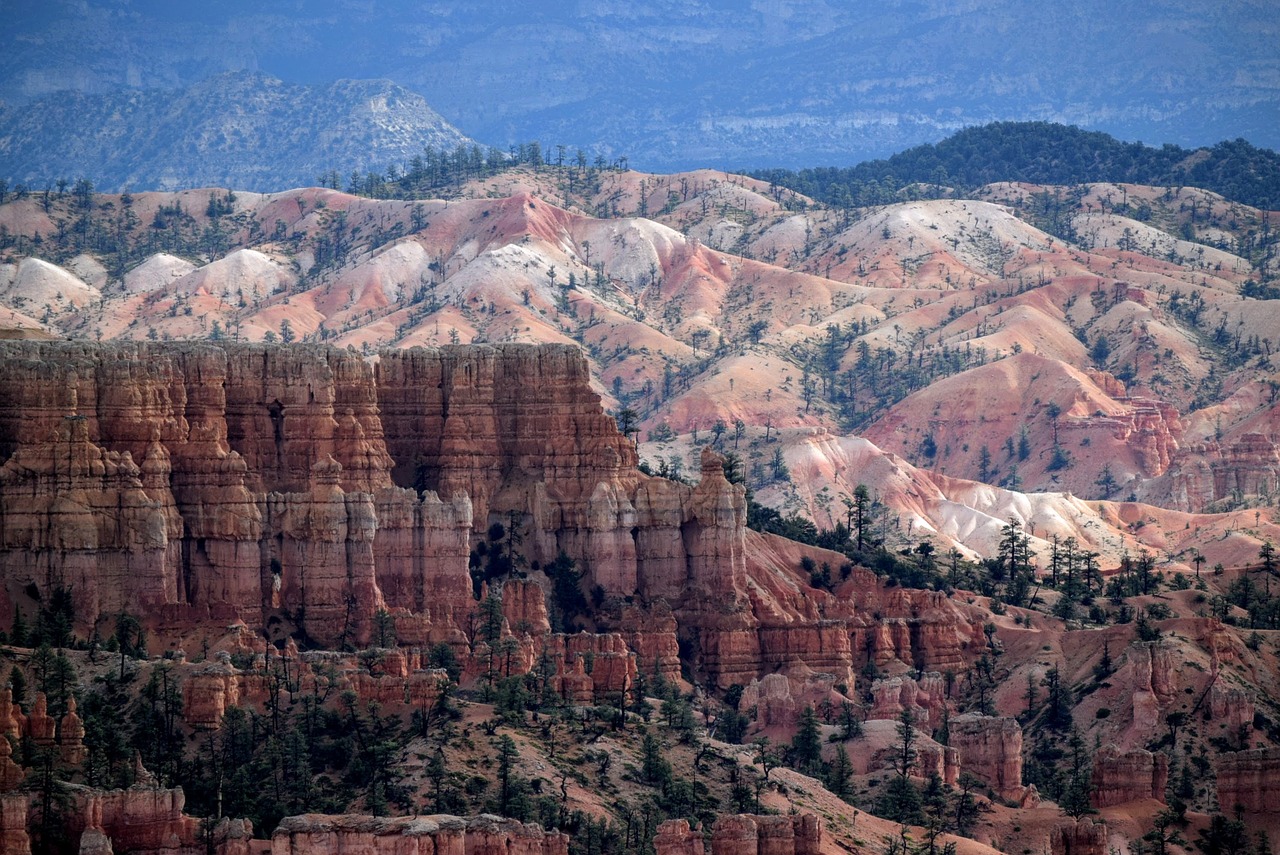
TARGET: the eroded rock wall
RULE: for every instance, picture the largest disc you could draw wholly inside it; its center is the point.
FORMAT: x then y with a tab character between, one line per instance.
315	834
1248	779
1120	777
203	481
210	484
991	748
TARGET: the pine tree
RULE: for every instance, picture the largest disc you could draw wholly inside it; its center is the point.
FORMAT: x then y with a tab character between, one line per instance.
507	756
18	683
806	747
1075	795
904	758
984	463
1058	702
839	771
654	768
900	800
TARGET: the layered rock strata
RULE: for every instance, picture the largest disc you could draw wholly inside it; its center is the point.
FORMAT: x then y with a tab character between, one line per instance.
142	819
1083	837
203	484
1125	777
990	748
744	834
1249	780
314	834
202	481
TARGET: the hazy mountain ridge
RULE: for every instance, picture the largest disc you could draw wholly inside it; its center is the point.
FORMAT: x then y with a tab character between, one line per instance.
681	85
1044	153
241	130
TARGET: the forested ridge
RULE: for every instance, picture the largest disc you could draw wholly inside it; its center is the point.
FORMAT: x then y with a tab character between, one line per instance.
1041	153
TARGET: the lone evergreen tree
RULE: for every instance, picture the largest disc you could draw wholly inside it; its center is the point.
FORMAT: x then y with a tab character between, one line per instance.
806	748
1075	795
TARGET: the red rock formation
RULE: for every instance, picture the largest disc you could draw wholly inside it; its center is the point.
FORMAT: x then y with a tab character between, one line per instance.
1250	779
748	834
41	727
935	759
314	834
770	697
1125	777
207	693
276	477
11	773
903	629
524	606
304	481
651	633
1202	473
990	748
141	819
1084	837
11	718
13	824
675	837
924	698
1154	681
71	736
1232	708
326	556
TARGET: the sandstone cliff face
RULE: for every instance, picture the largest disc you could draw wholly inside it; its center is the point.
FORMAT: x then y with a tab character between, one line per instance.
990	748
314	834
204	484
744	834
1203	473
1084	837
1125	777
143	819
924	698
1250	779
211	482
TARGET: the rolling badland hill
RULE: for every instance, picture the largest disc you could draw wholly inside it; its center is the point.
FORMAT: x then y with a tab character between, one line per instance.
966	364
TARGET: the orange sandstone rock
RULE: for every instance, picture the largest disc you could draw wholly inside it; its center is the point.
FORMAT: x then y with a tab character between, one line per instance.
1248	779
990	748
315	834
1124	777
1084	837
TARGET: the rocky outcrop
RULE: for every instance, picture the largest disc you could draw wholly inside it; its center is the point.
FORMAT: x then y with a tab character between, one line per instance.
1232	709
990	748
1119	777
675	837
1083	837
1203	473
205	482
11	773
1154	680
777	700
903	629
140	819
1249	779
143	819
14	839
315	834
924	698
748	834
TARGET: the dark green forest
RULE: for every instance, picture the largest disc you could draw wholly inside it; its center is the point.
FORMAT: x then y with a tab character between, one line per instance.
1041	153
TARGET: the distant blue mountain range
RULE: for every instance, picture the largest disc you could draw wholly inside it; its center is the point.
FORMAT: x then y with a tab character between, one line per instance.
682	84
